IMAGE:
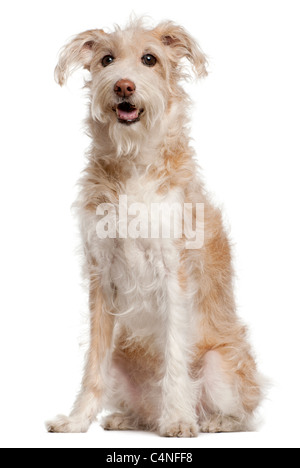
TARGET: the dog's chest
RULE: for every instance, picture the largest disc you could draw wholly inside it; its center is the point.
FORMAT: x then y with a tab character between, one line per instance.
135	265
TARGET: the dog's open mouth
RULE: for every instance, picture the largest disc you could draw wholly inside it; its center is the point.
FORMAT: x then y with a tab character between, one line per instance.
127	113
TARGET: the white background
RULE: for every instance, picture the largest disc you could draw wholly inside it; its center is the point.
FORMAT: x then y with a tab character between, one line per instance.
246	130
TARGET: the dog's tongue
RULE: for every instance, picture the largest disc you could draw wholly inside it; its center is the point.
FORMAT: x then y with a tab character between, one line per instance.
131	115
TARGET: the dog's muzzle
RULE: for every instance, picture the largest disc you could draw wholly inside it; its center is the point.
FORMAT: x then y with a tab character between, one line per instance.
127	113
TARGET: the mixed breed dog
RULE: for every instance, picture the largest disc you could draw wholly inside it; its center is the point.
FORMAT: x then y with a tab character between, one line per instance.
167	351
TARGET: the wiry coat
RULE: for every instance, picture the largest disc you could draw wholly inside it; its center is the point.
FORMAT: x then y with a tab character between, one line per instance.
167	351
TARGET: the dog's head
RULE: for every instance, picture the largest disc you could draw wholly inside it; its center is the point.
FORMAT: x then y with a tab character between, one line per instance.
135	73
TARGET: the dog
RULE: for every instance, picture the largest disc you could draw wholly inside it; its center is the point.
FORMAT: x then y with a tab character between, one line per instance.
167	352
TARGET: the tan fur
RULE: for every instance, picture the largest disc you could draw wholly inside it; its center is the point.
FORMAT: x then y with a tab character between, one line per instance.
154	159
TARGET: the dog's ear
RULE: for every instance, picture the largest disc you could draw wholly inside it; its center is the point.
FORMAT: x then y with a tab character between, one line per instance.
181	44
77	53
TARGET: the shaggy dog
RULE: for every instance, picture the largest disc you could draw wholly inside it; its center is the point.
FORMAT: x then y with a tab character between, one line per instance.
167	350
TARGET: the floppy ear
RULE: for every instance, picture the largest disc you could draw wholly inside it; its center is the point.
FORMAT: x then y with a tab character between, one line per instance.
77	53
180	45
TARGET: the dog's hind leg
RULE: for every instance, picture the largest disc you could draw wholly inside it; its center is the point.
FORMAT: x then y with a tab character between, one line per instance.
119	422
230	391
89	401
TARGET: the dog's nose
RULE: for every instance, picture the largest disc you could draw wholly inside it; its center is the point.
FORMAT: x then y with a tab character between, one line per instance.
124	88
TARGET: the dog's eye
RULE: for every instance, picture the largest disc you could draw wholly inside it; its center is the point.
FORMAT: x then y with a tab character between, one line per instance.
107	60
149	60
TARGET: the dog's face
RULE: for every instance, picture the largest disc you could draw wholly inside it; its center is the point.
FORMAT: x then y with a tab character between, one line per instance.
134	73
129	79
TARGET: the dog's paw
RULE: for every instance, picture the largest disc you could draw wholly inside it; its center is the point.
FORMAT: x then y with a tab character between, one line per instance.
221	423
180	429
117	422
63	424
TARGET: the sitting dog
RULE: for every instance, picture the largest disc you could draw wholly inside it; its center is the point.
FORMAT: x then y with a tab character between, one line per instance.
167	350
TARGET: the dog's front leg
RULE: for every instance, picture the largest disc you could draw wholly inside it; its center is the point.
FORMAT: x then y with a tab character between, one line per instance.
89	400
178	417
